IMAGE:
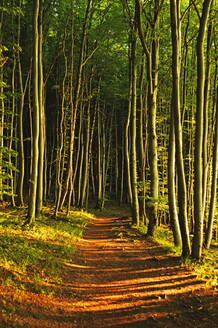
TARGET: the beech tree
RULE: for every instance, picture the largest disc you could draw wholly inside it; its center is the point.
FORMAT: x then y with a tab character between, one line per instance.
177	128
198	165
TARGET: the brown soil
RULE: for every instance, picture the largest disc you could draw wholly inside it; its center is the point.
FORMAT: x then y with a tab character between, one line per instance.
117	280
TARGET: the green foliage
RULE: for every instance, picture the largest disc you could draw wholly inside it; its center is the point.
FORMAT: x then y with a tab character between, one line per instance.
31	257
3	60
164	236
207	268
11	10
7	168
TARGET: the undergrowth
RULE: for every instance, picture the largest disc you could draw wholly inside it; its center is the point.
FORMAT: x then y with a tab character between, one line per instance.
33	258
205	269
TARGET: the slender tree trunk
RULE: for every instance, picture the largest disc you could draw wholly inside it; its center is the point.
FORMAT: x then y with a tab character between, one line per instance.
135	201
21	160
175	107
142	145
198	167
40	185
12	186
60	137
152	56
108	155
209	230
152	137
122	171
34	173
206	120
80	176
100	173
172	186
127	137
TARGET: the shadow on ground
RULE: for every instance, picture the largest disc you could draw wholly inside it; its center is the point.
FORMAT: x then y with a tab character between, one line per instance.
118	279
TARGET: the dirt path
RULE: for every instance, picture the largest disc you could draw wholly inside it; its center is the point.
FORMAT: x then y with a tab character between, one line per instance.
120	280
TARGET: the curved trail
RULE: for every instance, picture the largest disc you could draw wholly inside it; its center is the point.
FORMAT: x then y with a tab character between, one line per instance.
125	281
118	280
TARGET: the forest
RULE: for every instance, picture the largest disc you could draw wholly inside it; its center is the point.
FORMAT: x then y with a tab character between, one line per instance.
109	101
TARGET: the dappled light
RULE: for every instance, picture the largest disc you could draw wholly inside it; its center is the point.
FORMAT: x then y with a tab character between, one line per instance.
118	279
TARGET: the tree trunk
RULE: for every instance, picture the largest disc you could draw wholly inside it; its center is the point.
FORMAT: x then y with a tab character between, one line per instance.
135	201
198	165
209	230
35	142
127	137
172	186
22	91
175	107
40	185
152	56
142	152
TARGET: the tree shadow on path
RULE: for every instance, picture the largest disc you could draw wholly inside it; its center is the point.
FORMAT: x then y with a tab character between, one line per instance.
118	279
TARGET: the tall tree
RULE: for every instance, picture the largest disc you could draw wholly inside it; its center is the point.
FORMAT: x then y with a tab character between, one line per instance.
40	184
152	56
133	79
35	142
198	166
176	109
209	230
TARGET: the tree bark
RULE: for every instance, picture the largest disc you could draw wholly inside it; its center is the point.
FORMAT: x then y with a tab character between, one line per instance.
135	201
209	230
174	221
198	165
175	108
35	142
40	185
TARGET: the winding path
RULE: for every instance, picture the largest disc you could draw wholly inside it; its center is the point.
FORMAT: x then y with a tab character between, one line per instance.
118	280
121	280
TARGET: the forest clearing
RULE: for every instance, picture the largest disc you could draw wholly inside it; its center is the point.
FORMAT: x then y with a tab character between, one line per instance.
108	163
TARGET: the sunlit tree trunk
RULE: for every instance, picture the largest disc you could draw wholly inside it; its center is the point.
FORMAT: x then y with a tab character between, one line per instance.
206	119
40	184
127	136
99	204
172	185
12	184
142	151
35	142
22	90
175	107
108	153
198	165
152	56
86	159
135	201
213	199
60	135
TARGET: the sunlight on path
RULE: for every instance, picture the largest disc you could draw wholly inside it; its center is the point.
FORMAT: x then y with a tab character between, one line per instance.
120	280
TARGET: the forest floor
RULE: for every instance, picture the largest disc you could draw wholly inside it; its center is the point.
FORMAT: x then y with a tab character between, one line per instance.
117	279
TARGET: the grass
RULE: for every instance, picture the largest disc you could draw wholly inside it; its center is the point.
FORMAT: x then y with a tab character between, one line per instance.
112	208
205	269
32	258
